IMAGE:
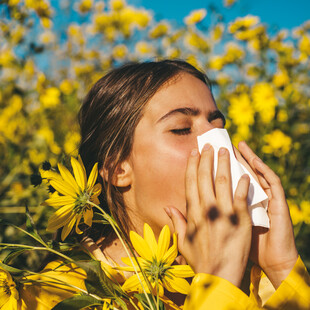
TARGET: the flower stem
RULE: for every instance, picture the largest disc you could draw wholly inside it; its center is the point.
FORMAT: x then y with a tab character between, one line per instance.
38	249
113	224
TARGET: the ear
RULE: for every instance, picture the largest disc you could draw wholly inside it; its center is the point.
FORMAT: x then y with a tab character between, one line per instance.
122	176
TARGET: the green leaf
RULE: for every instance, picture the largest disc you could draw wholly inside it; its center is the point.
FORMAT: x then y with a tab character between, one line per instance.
77	302
97	281
13	254
12	270
141	297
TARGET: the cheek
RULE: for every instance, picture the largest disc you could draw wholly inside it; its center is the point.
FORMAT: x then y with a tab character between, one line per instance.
159	170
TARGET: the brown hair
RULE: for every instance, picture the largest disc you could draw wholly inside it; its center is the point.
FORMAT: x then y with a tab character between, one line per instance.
109	116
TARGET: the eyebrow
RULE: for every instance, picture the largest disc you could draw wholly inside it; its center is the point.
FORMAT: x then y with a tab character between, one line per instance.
194	112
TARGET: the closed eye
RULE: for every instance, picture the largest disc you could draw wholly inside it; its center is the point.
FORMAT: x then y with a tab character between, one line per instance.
181	131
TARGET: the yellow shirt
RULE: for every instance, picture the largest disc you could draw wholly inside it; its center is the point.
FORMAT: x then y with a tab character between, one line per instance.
214	293
207	291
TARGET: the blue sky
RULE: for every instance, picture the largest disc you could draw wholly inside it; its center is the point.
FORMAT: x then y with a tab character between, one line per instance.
278	13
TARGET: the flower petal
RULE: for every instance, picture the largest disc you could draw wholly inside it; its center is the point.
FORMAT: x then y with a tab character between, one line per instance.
149	237
77	229
63	187
59	201
68	177
92	177
140	245
67	228
132	284
163	242
95	200
127	261
60	218
4	297
112	273
88	216
170	256
50	175
175	284
182	271
96	190
79	173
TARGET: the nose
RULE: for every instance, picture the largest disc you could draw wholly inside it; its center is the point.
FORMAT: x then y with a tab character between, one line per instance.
204	127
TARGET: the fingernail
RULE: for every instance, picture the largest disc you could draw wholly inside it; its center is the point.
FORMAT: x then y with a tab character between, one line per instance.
206	147
222	151
194	152
168	211
245	176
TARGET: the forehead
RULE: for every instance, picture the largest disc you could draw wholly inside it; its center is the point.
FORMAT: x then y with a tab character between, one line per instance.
183	90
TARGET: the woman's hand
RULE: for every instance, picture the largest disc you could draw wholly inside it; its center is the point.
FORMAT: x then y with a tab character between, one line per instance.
273	250
216	237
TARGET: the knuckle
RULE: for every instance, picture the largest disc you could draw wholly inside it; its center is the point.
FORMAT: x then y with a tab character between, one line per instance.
221	179
240	196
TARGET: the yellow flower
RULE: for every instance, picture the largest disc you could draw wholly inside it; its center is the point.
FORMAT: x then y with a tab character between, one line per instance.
72	141
305	208
264	101
217	32
277	143
74	195
216	62
159	30
143	48
47	37
194	40
37	293
67	86
6	57
195	17
296	213
117	5
281	78
243	23
233	52
8	293
241	110
282	116
304	45
229	3
50	98
120	51
85	6
156	261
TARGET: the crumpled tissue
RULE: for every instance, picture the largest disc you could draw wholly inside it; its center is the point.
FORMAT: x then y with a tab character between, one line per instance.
257	198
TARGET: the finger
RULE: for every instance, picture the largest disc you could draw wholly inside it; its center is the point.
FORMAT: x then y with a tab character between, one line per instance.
191	187
205	177
240	204
242	160
179	224
250	156
273	180
223	187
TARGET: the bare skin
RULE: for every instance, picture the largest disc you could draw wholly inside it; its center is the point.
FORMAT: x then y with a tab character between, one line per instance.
214	228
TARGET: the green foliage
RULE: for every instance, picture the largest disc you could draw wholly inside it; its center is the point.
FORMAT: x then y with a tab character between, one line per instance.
260	81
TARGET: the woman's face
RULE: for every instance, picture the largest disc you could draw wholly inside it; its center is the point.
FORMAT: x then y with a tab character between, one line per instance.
180	111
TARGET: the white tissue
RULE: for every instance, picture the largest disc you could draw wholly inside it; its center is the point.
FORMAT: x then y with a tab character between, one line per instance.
257	198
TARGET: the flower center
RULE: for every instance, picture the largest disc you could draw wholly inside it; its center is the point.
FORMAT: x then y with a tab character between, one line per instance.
5	287
156	269
81	202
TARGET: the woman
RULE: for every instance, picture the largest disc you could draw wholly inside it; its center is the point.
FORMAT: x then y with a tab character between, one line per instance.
140	123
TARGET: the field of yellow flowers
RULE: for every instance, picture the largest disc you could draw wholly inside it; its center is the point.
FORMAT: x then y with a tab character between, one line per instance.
51	55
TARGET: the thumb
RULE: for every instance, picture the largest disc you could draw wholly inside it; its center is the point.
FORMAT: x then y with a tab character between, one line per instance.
179	223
